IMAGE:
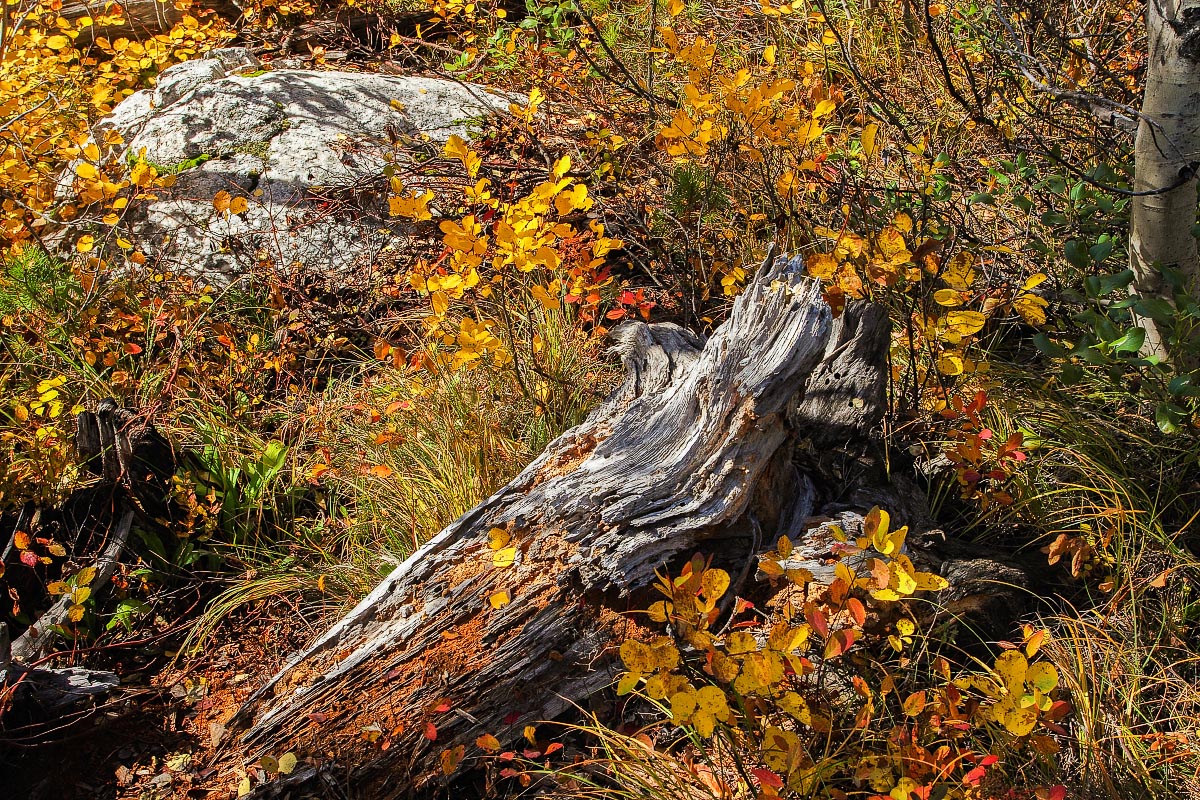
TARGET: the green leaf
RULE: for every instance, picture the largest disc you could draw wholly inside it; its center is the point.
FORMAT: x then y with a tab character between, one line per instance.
1169	417
1044	345
1131	342
1077	254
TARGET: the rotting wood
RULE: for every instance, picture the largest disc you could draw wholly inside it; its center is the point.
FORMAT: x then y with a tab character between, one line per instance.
720	446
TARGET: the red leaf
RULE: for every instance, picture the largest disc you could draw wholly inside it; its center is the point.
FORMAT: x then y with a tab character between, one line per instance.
29	558
817	620
767	778
554	748
132	349
511	717
430	731
616	313
442	707
974	776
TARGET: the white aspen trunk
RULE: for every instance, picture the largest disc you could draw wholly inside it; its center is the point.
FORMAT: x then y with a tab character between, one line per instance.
1165	155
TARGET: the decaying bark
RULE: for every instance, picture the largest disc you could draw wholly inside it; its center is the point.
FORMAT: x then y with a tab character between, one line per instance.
719	447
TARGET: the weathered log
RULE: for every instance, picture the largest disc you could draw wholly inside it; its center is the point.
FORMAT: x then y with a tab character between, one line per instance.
672	460
141	17
720	446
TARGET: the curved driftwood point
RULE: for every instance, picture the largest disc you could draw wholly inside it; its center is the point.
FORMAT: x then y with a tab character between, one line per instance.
695	450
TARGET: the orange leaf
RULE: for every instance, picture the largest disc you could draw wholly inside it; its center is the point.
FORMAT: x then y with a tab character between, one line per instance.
840	642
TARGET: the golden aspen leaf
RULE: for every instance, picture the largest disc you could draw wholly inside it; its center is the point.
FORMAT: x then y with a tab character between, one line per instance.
824	109
930	582
85	244
440	302
711	708
287	763
714	583
22	540
660	611
81	594
960	273
675	7
57	42
1011	666
769	54
870	144
965	323
741	642
561	167
111	219
238	205
1042	676
504	558
488	742
914	704
950	363
821	266
498	600
269	763
75	613
85	170
85	576
498	538
58	587
951	298
221	201
784	547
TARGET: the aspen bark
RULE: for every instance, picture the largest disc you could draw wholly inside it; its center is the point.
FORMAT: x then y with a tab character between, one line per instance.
1166	155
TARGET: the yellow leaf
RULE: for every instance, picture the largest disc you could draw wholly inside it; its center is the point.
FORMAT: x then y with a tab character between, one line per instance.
498	538
57	42
965	323
1042	676
287	763
561	167
504	558
85	170
221	201
238	205
1011	666
75	613
85	576
85	244
714	583
915	704
499	600
440	302
870	144
675	7
950	363
824	109
930	582
769	54
488	742
951	298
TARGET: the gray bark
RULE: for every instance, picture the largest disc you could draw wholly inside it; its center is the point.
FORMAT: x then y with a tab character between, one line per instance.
721	446
1166	155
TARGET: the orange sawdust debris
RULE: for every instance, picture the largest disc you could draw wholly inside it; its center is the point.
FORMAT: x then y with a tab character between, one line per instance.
566	461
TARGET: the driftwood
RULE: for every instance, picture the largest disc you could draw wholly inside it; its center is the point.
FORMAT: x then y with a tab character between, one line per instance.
720	447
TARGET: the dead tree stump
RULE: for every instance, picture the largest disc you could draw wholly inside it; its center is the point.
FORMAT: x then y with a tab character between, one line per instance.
718	446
